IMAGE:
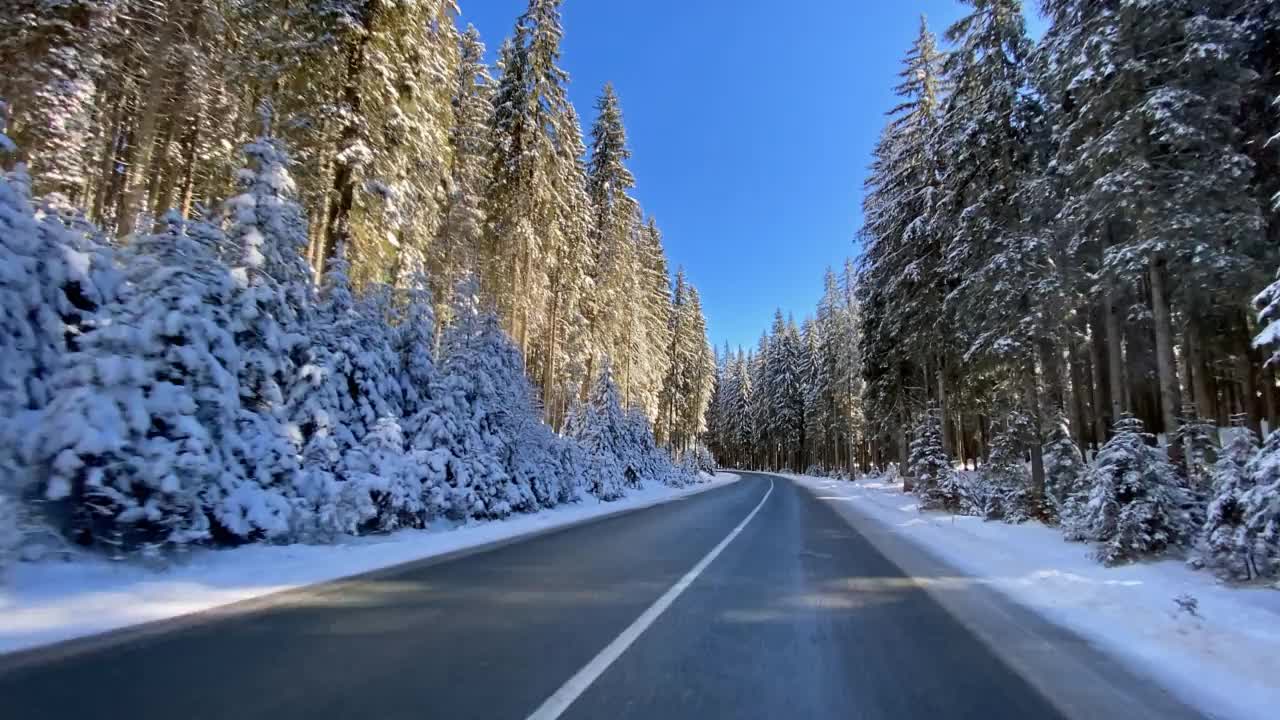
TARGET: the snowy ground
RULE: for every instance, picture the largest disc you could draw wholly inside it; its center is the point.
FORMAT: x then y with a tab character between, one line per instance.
1225	660
42	603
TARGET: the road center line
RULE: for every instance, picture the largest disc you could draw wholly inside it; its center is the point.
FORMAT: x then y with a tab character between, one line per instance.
554	706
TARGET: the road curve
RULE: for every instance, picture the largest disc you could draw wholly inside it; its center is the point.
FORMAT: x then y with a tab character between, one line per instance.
798	616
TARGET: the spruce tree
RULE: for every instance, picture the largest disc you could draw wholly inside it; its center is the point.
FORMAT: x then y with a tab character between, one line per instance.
1224	545
1136	505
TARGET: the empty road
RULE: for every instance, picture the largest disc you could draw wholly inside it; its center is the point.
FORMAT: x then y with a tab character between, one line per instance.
756	600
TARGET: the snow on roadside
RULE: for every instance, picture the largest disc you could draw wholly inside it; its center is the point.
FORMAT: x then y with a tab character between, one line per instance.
43	603
1225	660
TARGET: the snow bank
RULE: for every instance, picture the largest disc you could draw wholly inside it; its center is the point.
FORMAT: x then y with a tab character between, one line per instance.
44	603
1225	659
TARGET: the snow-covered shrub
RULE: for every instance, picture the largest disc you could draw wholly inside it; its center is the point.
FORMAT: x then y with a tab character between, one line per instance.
1197	440
703	459
1224	545
383	469
10	530
570	463
133	443
1136	504
930	467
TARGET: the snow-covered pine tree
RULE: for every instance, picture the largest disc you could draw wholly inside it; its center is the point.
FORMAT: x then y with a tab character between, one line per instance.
1136	505
1224	545
600	426
529	103
1065	473
457	248
1262	508
900	290
483	400
565	345
1005	479
319	407
935	482
266	241
654	308
614	268
415	344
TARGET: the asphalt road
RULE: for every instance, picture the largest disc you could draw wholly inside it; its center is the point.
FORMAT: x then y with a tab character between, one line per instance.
799	616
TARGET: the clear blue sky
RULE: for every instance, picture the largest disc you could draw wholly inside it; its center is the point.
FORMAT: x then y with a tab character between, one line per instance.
751	123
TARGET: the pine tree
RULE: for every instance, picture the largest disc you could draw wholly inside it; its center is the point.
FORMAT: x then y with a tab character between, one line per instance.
1262	509
934	477
1136	500
529	104
600	427
901	291
1065	472
457	247
1224	545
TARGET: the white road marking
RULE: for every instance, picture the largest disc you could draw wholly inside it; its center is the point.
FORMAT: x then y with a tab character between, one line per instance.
554	706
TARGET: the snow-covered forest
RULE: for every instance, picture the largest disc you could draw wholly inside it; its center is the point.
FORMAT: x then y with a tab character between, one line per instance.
279	270
1062	251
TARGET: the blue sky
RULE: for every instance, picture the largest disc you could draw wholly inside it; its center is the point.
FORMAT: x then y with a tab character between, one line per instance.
751	123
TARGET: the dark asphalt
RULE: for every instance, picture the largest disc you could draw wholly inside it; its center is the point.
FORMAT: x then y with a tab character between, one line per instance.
799	617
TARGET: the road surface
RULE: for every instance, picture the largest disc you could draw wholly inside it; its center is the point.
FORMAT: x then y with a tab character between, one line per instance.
797	615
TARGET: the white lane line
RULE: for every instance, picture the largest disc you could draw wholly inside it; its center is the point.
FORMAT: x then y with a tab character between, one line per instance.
554	706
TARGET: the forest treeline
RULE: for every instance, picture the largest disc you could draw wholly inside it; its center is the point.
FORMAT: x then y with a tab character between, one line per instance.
405	144
279	269
1062	243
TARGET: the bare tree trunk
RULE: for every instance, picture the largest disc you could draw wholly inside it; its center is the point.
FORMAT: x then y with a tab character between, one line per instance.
1081	391
108	160
1031	397
549	364
1097	362
1248	388
1196	371
338	225
1115	361
152	99
1170	393
941	377
904	456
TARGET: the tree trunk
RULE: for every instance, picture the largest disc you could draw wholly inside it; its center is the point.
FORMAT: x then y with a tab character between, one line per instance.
948	446
1170	393
1248	388
908	482
1115	360
1097	367
108	161
338	224
152	99
1077	362
1031	397
549	363
1197	373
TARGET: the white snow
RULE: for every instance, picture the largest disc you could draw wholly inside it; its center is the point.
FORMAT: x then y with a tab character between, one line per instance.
43	603
1226	661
